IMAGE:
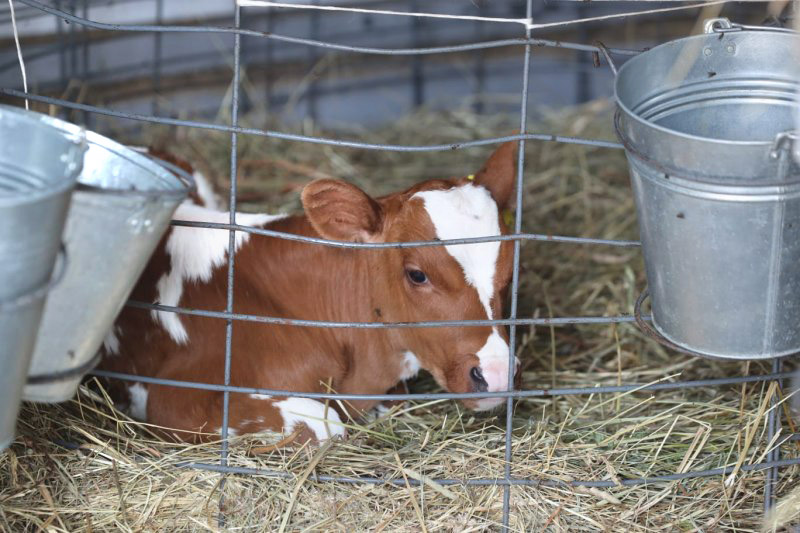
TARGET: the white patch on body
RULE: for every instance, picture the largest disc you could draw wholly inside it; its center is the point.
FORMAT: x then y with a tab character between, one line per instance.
194	254
464	212
138	402
411	366
111	341
310	412
205	191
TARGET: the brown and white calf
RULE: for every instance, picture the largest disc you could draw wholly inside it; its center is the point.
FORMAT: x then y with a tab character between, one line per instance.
283	278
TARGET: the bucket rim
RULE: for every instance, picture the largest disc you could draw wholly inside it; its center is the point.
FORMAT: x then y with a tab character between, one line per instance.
731	186
32	196
72	133
57	123
41	291
178	188
669	131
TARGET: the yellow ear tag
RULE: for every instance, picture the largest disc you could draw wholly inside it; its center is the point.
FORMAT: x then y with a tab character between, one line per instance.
508	218
471	177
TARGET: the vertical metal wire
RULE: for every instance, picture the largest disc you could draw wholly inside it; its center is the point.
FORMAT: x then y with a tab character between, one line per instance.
85	116
480	66
583	80
223	453
512	341
62	51
157	57
269	60
313	57
73	44
773	423
417	74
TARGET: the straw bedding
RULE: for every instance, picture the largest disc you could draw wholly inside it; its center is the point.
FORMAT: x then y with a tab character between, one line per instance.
82	466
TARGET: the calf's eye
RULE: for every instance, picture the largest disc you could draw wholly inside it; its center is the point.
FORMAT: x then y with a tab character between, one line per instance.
416	277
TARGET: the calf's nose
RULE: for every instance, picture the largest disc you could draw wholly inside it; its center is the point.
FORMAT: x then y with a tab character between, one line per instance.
479	383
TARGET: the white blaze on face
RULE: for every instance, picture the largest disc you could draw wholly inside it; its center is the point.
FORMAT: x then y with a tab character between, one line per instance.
464	212
194	253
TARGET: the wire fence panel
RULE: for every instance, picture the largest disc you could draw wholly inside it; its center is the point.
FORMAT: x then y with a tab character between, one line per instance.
512	337
527	41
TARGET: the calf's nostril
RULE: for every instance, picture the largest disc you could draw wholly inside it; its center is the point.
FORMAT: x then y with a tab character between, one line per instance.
477	376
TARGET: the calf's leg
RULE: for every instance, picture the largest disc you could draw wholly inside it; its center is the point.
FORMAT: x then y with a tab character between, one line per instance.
195	415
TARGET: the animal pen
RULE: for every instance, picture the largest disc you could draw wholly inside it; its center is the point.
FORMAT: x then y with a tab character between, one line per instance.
608	429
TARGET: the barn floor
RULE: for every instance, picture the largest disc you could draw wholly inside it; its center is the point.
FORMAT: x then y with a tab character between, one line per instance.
82	466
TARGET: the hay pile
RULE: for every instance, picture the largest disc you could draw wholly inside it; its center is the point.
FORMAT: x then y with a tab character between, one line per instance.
82	466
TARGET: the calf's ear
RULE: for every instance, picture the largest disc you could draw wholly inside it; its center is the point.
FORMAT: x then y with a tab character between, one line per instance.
341	211
499	174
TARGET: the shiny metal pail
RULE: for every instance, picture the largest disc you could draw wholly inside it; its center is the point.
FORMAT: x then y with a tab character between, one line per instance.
708	127
40	158
120	210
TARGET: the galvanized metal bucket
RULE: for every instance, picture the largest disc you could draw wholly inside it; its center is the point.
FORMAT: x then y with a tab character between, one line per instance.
708	127
120	210
40	158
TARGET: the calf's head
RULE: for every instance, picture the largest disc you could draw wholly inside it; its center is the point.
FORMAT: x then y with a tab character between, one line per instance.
435	283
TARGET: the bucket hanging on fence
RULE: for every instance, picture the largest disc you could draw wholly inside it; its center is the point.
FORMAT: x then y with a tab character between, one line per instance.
120	210
40	158
708	128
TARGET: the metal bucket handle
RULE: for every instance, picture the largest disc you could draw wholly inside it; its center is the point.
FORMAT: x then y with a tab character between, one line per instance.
603	49
41	291
785	144
723	25
651	332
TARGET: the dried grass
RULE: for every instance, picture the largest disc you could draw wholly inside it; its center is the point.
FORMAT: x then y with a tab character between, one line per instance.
82	466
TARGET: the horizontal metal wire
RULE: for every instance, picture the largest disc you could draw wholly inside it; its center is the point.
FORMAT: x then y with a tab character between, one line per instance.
530	393
560	321
321	44
407	244
306	138
498	481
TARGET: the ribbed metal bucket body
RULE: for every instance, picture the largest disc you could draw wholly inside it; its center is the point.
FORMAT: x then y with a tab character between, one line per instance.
707	122
40	158
120	211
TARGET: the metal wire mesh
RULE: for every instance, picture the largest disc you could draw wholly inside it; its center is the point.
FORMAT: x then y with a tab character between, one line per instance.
527	41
